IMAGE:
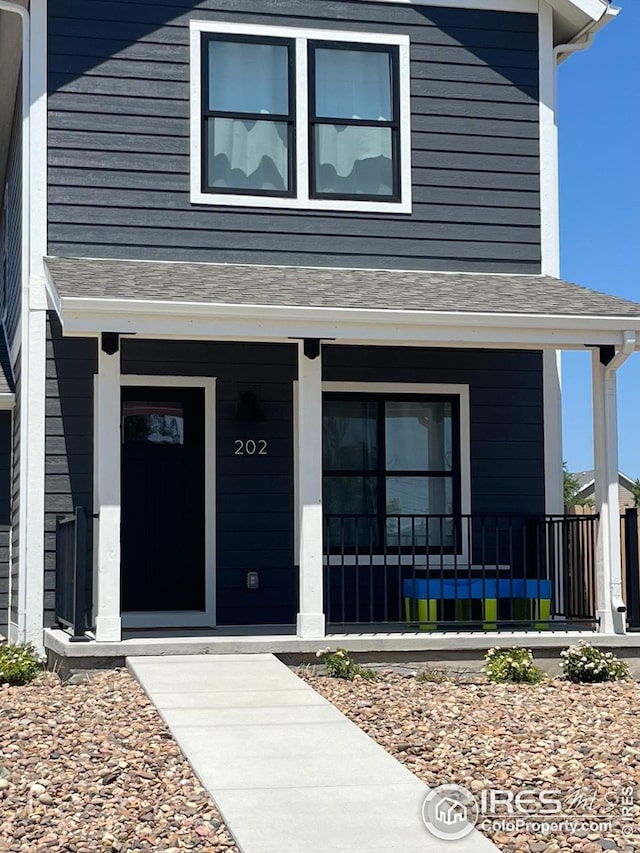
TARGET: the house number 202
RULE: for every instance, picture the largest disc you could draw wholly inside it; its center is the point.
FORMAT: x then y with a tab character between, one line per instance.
250	447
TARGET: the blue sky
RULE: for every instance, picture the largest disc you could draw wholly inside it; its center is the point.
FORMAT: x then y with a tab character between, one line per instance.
599	125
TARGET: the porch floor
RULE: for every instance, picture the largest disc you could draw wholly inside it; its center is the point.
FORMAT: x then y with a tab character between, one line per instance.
279	640
288	771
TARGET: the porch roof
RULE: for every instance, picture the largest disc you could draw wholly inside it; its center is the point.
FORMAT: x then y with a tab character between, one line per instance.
270	303
332	288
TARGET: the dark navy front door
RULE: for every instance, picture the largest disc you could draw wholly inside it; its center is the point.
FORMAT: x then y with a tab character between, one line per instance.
163	499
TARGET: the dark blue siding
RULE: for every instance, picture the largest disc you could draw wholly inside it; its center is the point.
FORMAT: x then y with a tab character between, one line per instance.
15	497
505	391
254	494
71	365
5	518
119	147
11	230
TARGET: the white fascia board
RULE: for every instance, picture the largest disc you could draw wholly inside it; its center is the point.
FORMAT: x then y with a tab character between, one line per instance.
38	153
206	320
549	199
7	401
579	18
590	8
593	9
493	5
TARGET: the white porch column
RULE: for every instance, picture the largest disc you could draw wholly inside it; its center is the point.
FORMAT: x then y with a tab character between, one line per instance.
605	452
311	621
107	456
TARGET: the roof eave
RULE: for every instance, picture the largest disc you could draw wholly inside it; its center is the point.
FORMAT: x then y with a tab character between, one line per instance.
90	316
574	20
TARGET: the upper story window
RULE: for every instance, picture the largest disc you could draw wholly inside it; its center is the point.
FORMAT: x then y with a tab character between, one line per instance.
248	130
291	118
354	121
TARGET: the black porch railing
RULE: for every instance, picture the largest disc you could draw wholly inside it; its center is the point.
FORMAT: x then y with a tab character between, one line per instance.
73	580
630	537
473	571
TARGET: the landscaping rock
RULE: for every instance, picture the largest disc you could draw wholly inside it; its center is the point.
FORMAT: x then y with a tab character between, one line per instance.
580	740
91	767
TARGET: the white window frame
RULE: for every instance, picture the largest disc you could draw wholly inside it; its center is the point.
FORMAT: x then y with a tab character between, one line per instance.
301	201
460	559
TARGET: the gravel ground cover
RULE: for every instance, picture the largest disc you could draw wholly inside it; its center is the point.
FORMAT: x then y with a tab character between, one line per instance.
582	740
92	767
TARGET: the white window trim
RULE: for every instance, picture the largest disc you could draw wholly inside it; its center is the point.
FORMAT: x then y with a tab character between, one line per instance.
192	618
302	200
459	390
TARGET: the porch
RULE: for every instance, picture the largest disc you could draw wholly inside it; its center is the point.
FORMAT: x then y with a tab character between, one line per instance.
432	548
397	577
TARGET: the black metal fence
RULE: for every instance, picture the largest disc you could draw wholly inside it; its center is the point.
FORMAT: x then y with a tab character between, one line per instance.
463	571
73	579
630	536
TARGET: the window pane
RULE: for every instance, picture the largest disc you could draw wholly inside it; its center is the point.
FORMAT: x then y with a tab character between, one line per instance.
352	160
251	155
353	84
419	495
246	77
350	439
418	436
156	423
350	495
410	532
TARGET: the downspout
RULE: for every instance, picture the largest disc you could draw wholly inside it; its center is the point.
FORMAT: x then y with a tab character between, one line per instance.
628	346
25	239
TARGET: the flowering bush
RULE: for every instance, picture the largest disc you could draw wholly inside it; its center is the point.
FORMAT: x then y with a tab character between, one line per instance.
339	665
18	664
511	666
585	663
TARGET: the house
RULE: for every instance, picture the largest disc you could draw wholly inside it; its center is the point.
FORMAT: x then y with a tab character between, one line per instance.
586	492
282	313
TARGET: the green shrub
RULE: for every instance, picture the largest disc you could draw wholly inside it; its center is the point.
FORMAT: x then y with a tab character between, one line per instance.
18	664
338	664
511	666
585	663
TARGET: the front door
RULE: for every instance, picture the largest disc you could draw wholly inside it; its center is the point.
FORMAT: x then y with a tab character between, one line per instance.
163	504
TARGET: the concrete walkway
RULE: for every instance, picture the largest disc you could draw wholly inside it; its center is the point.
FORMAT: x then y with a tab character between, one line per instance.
288	771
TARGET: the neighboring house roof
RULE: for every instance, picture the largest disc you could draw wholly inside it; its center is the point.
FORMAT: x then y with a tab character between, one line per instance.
586	480
392	290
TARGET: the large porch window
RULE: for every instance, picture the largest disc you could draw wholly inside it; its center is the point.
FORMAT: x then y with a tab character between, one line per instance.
391	470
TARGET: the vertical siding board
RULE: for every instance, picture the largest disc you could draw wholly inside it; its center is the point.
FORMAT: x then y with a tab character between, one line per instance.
474	92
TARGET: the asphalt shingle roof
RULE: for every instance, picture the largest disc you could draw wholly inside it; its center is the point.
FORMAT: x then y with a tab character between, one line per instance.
331	288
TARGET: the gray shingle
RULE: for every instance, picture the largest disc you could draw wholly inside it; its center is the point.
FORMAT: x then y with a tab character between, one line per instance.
331	288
